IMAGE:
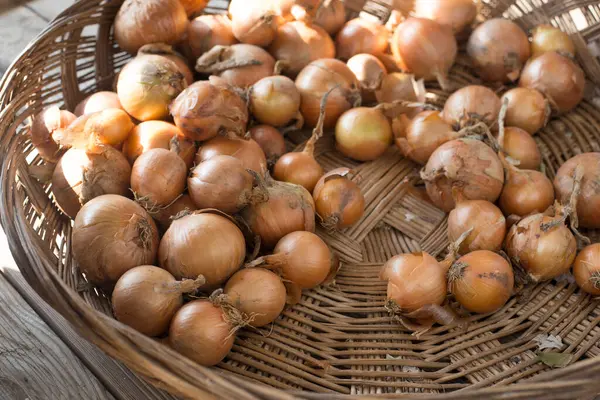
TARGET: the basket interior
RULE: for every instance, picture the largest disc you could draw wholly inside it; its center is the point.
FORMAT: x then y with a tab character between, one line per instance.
338	339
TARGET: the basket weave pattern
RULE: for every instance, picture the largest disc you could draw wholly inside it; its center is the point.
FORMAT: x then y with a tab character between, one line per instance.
338	340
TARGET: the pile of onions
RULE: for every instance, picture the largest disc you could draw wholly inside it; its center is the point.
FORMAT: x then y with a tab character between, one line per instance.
424	48
43	127
98	101
161	49
258	293
471	105
112	235
193	6
588	200
298	43
401	87
520	146
147	297
498	49
468	164
545	38
458	14
317	79
331	16
202	243
83	174
481	281
370	73
339	201
290	208
557	77
208	31
157	135
254	23
239	65
247	151
150	21
586	269
275	101
527	109
525	192
361	36
207	108
270	141
165	215
363	133
483	219
147	85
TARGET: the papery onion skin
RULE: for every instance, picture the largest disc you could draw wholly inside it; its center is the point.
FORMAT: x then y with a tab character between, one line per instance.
167	51
526	192
399	86
270	141
200	331
363	134
527	109
299	168
370	73
472	104
339	202
331	18
543	254
275	100
458	14
558	78
254	24
486	220
111	235
256	292
586	269
158	175
481	281
165	216
82	175
208	31
520	146
202	244
150	21
545	38
588	201
98	101
111	126
360	36
498	49
414	281
207	108
247	151
43	126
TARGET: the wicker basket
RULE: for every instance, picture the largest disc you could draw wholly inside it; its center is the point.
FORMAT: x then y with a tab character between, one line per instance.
337	341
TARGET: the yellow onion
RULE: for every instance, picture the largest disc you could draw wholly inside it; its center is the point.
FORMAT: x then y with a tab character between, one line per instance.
363	133
193	6
147	85
165	50
360	36
164	217
339	202
527	109
525	192
112	235
150	21
521	147
270	141
586	269
399	86
255	23
370	73
331	16
275	101
484	219
202	243
82	175
208	31
98	101
470	105
545	38
43	127
247	151
458	14
299	167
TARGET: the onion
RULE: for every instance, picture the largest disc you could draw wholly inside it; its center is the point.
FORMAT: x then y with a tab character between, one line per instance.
588	200
520	146
98	101
586	269
150	21
525	192
471	105
484	219
258	293
43	126
207	108
247	151
161	49
424	48
202	332
527	109
82	175
239	65
147	85
465	163
158	178
481	281
165	216
270	141
111	127
542	245
339	202
275	100
208	31
361	36
202	243
147	297
331	16
558	78
545	38
458	14
401	87
158	135
193	6
254	23
112	235
498	49
363	134
297	44
370	73
290	208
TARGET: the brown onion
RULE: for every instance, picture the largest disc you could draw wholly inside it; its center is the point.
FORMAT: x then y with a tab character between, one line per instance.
247	151
43	126
498	49
147	85
254	23
525	192
424	48
521	147
208	108
545	38
458	14
270	141
112	235
363	134
484	219
275	100
481	281
110	126
98	101
82	175
527	109
158	177
193	6
208	31
586	269
202	243
558	78
150	21
467	163
370	73
470	105
165	216
360	36
147	297
331	16
339	201
161	49
399	86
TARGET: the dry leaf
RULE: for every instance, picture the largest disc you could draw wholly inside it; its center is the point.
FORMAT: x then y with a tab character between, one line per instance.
546	341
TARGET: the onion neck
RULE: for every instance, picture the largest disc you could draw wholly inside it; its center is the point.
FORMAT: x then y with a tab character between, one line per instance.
185	285
271	262
234	317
